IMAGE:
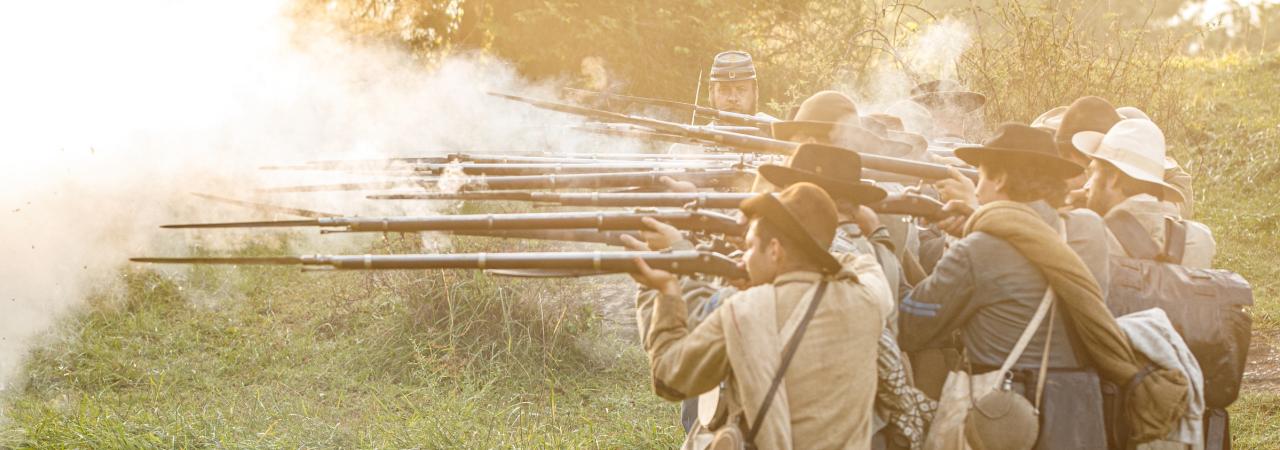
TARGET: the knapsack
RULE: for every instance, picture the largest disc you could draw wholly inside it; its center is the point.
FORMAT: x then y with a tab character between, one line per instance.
1206	306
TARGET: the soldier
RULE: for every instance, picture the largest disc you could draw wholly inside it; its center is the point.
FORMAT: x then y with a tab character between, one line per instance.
797	350
734	86
988	291
1127	183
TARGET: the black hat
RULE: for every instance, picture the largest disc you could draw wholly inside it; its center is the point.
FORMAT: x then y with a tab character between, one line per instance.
836	170
733	66
1021	144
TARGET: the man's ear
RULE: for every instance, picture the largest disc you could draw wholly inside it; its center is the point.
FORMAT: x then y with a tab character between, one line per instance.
998	180
776	251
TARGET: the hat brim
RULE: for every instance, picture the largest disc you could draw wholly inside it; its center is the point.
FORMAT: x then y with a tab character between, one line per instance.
768	207
838	134
965	101
1088	142
856	191
787	129
1058	166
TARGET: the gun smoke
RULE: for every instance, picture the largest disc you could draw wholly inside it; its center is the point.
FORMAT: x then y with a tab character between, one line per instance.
127	108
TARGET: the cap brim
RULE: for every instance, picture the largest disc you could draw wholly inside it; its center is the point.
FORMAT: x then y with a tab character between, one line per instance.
1057	166
965	101
856	190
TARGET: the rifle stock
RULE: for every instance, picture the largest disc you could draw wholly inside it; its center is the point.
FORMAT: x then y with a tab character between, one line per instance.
680	262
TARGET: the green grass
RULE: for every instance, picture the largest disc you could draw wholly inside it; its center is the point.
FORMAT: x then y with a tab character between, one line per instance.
275	358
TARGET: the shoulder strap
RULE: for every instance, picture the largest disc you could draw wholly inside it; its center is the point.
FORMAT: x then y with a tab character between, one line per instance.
788	352
1025	339
1132	236
1175	240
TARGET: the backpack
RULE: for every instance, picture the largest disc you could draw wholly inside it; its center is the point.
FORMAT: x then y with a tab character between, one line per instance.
1206	306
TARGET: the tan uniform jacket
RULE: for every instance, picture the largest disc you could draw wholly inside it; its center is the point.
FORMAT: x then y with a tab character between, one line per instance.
1151	214
830	386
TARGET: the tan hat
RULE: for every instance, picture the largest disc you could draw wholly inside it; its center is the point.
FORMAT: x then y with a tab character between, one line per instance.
806	217
833	115
1050	120
1015	143
1135	147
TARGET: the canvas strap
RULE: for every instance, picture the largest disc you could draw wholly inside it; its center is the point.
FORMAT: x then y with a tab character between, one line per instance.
788	352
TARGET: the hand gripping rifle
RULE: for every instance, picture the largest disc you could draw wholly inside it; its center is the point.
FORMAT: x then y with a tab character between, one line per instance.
537	263
744	142
696	221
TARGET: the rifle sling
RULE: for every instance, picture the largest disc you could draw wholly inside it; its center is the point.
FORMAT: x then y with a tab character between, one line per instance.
1139	244
788	352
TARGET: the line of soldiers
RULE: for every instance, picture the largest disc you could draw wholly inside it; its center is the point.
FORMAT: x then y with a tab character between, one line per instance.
850	326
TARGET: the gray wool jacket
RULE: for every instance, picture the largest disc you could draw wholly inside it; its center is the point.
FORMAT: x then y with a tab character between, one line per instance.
986	290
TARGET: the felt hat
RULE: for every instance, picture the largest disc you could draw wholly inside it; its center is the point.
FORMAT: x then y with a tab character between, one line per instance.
1135	147
915	117
1085	114
1020	144
836	170
947	94
833	115
1130	112
889	121
733	65
1050	120
805	216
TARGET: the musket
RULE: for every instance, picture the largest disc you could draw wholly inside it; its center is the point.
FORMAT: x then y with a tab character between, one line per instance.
900	203
745	142
686	262
531	158
703	111
699	221
499	169
711	178
267	207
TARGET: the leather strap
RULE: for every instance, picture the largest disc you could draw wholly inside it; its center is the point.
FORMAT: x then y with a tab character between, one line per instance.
1044	358
1132	236
1175	240
788	352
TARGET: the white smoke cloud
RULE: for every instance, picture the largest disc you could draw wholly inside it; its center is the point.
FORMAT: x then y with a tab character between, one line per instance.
113	111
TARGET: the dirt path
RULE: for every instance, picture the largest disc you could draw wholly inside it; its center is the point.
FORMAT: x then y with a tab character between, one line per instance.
1263	371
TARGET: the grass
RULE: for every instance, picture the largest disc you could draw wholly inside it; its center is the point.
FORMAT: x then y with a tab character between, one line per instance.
275	358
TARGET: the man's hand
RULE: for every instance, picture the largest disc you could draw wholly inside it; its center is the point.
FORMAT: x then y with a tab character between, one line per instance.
1078	198
957	187
659	280
956	213
677	186
658	237
867	220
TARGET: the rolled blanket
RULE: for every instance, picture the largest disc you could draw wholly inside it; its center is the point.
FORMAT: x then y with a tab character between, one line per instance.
1158	401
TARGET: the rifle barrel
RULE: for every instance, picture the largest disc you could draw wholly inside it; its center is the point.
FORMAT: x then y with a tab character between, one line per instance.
612	220
702	178
681	262
924	170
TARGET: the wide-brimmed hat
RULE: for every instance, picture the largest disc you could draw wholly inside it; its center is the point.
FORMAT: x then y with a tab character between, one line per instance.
1135	147
818	115
1022	145
1050	120
1131	112
805	216
915	117
947	94
733	65
1085	114
888	121
834	115
836	170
